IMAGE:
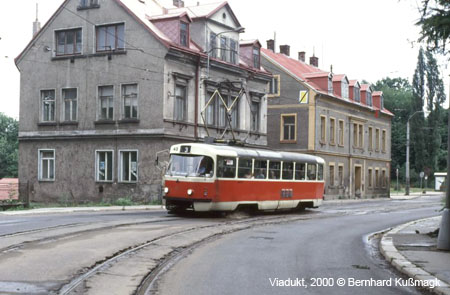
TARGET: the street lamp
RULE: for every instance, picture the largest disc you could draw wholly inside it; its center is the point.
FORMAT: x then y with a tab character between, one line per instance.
237	30
407	153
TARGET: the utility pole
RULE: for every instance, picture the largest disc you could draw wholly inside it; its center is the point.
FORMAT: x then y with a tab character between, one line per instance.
407	153
443	242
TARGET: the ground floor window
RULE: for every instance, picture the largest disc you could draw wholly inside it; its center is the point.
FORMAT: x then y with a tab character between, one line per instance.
47	165
128	166
104	166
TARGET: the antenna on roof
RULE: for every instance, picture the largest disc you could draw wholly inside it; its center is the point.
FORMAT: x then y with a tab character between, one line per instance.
275	42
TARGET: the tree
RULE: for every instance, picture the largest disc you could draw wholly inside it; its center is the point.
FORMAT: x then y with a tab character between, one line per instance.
9	129
435	24
418	121
397	93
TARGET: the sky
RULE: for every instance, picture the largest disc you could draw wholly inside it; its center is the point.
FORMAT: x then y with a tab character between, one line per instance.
364	39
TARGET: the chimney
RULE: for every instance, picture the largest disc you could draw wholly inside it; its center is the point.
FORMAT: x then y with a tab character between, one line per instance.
285	49
314	61
178	3
301	56
271	45
36	23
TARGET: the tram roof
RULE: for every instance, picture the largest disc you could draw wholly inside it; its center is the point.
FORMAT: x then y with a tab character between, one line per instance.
244	152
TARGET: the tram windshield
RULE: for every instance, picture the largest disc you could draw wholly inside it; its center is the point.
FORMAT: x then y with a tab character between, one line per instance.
190	166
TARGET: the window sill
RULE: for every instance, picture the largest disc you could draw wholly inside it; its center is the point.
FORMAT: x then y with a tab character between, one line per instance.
109	52
288	141
332	143
69	123
71	56
47	124
128	121
88	7
128	182
105	122
104	182
46	180
340	145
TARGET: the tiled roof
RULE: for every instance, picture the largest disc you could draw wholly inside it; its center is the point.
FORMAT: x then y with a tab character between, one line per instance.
338	77
303	72
365	87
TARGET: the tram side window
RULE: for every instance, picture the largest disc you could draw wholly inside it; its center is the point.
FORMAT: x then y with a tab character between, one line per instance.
312	172
320	172
288	170
300	171
226	167
245	168
274	170
260	169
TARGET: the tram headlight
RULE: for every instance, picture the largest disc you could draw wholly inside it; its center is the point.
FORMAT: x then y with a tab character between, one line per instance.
190	192
166	190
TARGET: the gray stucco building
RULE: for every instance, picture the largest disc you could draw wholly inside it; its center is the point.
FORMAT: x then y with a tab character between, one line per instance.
108	85
325	114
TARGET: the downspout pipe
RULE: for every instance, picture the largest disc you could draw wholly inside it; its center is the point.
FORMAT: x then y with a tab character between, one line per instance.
197	90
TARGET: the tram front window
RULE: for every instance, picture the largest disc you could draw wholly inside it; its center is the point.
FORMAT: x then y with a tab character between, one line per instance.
190	166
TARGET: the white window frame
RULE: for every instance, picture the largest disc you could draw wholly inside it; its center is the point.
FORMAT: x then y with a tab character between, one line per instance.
121	163
63	105
41	119
40	159
99	108
122	100
97	158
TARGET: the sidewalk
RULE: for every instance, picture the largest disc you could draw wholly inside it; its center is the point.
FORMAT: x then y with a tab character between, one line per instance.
401	195
411	249
82	209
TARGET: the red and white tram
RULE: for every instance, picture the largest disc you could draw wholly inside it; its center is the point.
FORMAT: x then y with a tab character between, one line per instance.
210	177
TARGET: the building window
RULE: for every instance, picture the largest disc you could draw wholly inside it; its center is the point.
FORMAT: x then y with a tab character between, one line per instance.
332	131
223	48
358	133
289	128
88	4
341	175
383	178
210	116
331	174
357	94
370	139
184	34
377	178
212	45
274	89
222	113
104	166
341	132
256	58
255	113
48	105
369	98
68	42
377	139
370	177
110	37
70	104
106	102
128	166
233	52
180	103
46	165
383	141
130	101
323	129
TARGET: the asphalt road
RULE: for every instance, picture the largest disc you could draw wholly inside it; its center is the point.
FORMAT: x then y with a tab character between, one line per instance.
319	250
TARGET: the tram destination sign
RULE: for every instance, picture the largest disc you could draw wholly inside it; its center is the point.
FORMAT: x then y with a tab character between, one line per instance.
185	149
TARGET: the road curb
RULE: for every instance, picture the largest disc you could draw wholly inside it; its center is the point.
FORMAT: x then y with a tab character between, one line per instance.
403	265
83	209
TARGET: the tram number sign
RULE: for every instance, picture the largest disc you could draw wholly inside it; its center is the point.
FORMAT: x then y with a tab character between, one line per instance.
287	193
185	149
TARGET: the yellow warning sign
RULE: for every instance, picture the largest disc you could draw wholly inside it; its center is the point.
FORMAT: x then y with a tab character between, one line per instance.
303	96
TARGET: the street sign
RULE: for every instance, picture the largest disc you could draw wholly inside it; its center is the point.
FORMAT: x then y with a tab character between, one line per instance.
422	174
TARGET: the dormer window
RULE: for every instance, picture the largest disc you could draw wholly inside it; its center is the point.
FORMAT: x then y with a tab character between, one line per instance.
233	51
330	85
256	58
344	89
369	98
356	94
86	4
184	34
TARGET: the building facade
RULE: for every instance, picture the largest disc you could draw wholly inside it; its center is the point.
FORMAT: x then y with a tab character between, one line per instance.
108	86
328	115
